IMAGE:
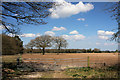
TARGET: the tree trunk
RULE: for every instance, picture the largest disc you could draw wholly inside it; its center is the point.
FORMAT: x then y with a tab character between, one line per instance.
58	51
31	50
43	50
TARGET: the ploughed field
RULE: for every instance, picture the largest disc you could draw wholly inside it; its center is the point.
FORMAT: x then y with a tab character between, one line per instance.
95	59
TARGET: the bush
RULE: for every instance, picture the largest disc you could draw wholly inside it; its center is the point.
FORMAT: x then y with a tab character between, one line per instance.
11	45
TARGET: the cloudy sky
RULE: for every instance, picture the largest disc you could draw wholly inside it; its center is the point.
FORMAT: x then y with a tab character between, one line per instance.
83	25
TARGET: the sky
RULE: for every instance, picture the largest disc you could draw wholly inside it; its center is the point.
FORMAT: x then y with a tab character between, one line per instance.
84	25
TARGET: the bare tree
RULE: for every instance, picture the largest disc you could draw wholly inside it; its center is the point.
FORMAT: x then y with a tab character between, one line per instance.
60	42
23	13
96	50
43	42
115	10
30	45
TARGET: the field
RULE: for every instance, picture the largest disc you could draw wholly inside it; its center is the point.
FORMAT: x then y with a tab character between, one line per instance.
95	60
9	58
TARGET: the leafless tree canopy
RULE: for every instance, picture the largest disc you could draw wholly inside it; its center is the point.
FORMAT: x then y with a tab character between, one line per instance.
47	41
30	45
23	13
115	10
60	43
41	42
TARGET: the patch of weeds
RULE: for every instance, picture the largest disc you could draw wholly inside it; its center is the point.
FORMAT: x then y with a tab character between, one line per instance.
112	68
86	72
84	76
79	76
76	75
9	65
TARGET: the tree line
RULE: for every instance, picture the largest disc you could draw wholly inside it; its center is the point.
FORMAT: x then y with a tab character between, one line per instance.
95	50
14	45
39	45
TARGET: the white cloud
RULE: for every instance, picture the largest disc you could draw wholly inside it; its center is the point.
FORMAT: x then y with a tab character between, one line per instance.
78	37
81	19
103	37
109	33
101	32
74	37
98	43
104	34
28	35
58	28
2	27
86	24
11	35
74	32
38	34
49	33
66	9
108	44
66	36
105	44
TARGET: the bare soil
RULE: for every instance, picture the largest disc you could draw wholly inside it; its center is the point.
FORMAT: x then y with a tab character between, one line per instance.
95	58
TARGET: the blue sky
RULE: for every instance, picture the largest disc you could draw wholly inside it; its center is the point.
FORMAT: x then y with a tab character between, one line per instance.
83	25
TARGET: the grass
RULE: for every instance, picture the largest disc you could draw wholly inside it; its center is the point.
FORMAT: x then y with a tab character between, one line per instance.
91	73
9	58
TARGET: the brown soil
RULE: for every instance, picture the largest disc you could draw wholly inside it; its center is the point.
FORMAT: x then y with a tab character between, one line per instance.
95	58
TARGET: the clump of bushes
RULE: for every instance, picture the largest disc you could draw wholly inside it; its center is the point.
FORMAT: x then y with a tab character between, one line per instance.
11	45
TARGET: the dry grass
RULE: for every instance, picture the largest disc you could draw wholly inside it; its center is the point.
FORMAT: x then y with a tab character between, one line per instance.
9	58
